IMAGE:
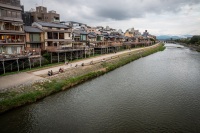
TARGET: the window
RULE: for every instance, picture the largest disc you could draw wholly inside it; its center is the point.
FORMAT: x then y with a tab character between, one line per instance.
14	14
13	38
3	13
20	39
9	13
37	45
49	35
61	35
34	37
18	15
2	38
7	26
49	43
83	37
55	35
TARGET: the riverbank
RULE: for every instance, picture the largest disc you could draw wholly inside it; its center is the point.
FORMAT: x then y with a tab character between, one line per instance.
76	75
192	47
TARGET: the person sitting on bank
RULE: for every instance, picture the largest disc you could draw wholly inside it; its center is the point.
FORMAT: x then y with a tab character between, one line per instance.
66	62
61	70
49	73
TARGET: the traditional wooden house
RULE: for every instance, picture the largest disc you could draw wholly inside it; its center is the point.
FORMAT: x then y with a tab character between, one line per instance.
92	37
34	39
12	36
80	38
56	36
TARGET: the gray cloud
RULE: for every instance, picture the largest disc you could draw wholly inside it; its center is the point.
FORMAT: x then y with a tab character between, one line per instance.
157	15
115	9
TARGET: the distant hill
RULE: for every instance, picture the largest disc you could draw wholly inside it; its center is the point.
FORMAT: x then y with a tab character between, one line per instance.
168	37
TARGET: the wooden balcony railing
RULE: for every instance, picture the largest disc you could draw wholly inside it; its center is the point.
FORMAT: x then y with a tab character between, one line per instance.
64	48
33	51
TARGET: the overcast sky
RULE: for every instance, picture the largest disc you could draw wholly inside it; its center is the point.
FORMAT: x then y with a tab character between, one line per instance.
159	17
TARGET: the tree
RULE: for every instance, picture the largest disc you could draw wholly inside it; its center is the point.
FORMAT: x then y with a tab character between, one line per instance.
195	40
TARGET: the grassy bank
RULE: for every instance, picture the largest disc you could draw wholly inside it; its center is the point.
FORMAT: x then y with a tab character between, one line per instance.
30	94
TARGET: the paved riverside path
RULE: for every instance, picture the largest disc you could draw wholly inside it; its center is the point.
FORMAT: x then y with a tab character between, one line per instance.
29	77
17	79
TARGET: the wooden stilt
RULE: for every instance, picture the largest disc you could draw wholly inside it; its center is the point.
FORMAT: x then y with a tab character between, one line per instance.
11	67
29	62
51	57
71	56
33	62
17	65
4	71
65	57
85	53
40	61
81	54
58	57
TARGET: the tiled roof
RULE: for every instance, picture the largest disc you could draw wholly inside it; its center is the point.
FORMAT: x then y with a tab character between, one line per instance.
32	29
91	36
80	32
55	25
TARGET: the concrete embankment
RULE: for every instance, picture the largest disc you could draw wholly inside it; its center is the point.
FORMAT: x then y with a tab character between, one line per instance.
28	94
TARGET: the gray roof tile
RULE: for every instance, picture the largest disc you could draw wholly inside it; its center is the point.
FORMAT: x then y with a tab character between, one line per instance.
32	29
55	25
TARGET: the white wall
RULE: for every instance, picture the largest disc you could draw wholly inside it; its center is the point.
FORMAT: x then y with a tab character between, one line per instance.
67	36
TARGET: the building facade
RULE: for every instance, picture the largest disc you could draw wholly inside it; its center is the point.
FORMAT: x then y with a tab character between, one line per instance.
12	36
55	35
26	17
40	15
34	39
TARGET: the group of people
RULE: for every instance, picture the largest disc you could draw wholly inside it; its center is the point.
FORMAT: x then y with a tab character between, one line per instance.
50	73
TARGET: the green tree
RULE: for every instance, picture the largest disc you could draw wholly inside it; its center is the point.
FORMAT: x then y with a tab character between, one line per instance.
195	40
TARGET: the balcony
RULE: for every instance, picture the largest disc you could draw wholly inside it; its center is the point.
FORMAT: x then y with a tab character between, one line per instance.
65	48
11	27
32	51
12	39
115	44
27	53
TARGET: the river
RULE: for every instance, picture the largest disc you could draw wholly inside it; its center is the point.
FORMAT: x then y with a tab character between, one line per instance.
157	93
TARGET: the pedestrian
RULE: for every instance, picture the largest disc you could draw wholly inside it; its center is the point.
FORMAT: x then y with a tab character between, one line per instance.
66	62
51	72
61	70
